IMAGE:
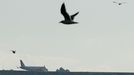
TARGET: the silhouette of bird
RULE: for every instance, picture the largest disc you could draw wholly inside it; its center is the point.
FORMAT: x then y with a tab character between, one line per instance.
67	18
119	3
13	51
17	67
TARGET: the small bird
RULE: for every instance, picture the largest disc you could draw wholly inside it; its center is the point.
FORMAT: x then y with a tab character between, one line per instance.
119	3
67	18
13	51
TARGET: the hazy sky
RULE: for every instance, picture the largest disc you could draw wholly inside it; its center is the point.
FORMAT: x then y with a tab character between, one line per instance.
102	41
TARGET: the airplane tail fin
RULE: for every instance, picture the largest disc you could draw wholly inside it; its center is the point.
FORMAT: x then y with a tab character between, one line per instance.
22	64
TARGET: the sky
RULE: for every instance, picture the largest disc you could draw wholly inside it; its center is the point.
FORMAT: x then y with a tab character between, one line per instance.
101	41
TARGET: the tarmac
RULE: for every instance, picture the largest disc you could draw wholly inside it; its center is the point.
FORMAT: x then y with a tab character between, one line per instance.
13	72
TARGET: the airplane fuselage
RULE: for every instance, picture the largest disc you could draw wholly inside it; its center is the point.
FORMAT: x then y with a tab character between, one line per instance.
30	68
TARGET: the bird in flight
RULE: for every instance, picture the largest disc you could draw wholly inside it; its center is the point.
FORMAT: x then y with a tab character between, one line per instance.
13	51
119	3
67	18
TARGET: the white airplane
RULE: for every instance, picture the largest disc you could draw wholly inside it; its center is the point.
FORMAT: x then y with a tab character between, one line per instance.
33	68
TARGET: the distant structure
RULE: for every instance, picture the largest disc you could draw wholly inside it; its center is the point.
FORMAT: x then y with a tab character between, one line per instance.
62	70
119	3
33	68
67	18
13	51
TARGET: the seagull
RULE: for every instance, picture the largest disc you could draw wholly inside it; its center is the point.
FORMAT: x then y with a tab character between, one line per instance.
67	18
119	3
13	51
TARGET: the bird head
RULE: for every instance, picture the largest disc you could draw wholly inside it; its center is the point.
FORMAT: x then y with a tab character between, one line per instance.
61	21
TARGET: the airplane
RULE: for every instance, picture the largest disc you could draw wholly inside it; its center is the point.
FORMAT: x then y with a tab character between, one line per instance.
33	68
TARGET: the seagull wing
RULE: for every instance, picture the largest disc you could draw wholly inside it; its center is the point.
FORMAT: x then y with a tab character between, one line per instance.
64	13
72	16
